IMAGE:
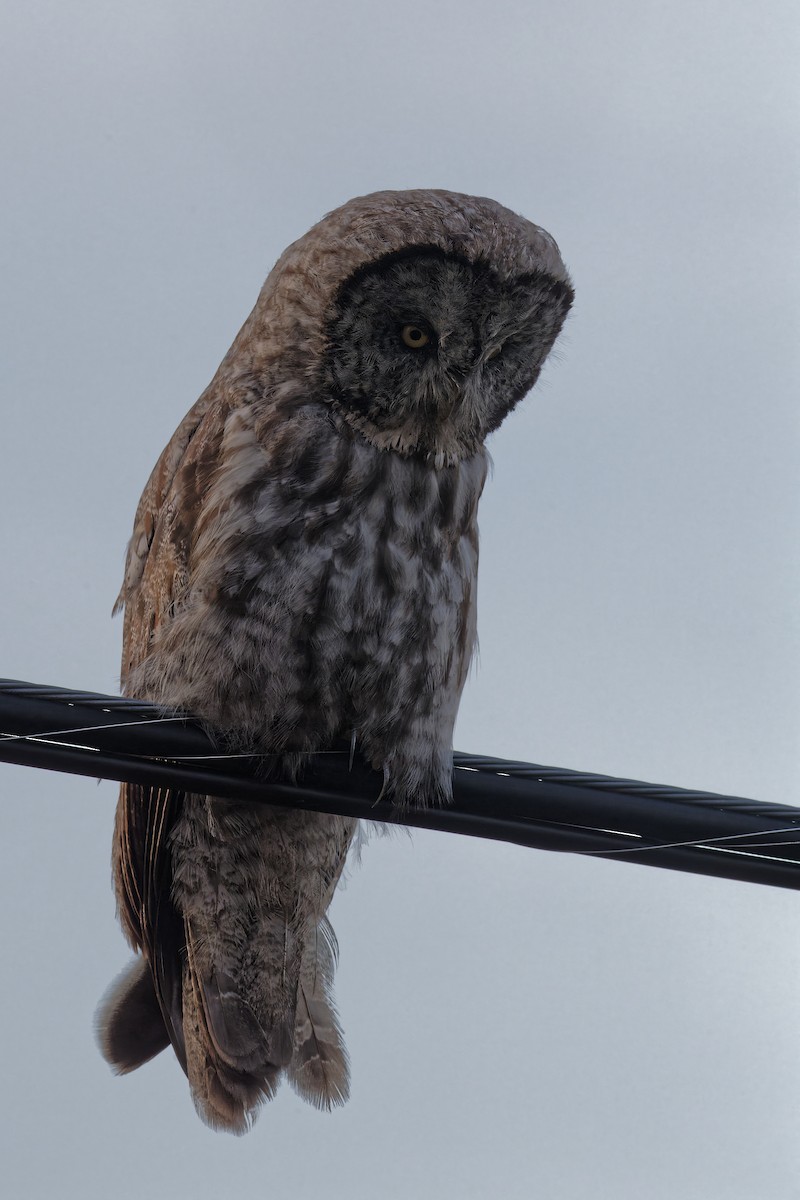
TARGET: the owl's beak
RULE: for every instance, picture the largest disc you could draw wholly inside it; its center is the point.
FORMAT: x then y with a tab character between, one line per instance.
450	393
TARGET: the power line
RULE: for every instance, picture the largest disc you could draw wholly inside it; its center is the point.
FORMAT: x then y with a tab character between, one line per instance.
549	808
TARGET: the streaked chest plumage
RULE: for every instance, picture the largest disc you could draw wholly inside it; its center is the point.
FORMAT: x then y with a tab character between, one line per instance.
351	567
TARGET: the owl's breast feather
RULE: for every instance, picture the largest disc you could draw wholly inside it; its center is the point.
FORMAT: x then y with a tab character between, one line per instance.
332	588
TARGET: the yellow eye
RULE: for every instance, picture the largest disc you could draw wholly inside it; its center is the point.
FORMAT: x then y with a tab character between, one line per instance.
414	336
493	353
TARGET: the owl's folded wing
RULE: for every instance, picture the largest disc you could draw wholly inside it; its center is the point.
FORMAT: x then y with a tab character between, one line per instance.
157	571
143	874
156	566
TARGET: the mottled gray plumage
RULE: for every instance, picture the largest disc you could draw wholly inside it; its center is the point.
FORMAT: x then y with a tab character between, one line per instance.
303	569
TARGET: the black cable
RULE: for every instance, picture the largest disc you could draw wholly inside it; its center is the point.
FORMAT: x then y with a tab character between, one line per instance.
545	807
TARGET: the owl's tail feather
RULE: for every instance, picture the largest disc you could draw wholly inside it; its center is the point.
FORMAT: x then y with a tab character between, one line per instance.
319	1070
227	1090
232	1063
129	1027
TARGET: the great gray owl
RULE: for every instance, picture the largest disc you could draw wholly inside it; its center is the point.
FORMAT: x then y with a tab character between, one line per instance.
303	569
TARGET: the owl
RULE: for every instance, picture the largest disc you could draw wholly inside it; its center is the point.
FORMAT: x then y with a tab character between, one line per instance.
302	570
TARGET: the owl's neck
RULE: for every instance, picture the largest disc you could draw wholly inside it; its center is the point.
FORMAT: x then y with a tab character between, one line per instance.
439	447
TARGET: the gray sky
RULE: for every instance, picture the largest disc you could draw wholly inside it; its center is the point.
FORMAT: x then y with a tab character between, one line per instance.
521	1024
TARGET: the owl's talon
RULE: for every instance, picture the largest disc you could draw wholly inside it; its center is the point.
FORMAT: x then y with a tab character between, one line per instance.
386	776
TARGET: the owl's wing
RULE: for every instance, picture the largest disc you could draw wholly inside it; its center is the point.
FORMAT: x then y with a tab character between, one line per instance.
143	883
156	573
156	560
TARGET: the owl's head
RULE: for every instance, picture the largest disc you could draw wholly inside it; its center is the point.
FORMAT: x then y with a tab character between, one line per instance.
422	317
428	350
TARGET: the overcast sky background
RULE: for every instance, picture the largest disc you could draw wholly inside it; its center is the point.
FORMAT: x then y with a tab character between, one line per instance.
521	1024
